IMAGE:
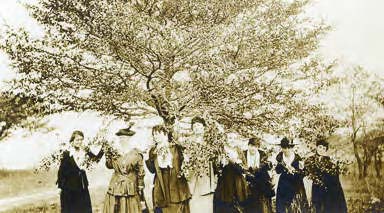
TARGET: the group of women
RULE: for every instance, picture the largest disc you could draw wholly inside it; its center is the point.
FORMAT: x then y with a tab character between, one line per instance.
243	182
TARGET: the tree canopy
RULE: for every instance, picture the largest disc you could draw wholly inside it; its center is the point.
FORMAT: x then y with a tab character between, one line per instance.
17	109
250	65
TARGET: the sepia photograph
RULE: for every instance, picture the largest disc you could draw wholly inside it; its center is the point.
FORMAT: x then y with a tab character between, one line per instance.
191	106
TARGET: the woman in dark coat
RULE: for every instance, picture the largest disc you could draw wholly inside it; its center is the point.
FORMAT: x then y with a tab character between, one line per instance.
232	189
72	178
327	193
258	178
171	191
290	195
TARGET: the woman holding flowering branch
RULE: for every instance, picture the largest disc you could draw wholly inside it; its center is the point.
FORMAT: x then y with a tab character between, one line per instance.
258	178
327	193
72	178
203	177
171	191
232	189
125	191
290	196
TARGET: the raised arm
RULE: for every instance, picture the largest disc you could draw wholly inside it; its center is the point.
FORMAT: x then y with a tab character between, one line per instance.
150	163
92	156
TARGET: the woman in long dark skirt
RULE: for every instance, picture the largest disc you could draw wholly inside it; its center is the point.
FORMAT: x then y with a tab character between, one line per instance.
258	178
72	178
327	193
171	190
290	195
232	189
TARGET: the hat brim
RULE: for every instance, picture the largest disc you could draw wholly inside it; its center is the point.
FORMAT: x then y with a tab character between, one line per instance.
287	145
125	133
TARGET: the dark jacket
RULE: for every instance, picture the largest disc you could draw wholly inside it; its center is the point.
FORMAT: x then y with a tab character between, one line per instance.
290	187
327	193
170	186
70	176
231	184
73	183
258	179
260	186
232	189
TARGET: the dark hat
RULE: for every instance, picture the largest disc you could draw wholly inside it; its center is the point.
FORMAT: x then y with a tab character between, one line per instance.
125	132
322	142
285	143
254	141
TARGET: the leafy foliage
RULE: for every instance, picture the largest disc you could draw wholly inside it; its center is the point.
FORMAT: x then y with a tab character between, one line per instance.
249	65
18	110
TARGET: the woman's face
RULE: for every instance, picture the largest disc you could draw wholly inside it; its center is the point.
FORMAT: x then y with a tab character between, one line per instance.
287	150
321	150
198	128
160	137
124	141
232	138
252	149
77	142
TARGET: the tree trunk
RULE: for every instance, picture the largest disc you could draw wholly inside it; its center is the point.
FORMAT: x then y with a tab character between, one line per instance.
378	163
367	160
358	159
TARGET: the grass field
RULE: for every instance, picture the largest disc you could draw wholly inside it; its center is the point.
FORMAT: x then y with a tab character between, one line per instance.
53	205
364	195
18	182
359	193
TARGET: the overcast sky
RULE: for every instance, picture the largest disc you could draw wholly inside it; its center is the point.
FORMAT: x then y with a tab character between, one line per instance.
357	37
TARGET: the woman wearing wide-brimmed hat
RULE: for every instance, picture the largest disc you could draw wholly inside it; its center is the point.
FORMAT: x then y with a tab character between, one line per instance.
290	196
125	191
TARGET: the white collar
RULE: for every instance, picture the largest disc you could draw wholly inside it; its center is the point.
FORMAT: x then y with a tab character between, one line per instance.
289	159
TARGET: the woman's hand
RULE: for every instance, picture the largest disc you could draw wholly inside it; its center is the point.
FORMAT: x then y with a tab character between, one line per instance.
143	205
301	165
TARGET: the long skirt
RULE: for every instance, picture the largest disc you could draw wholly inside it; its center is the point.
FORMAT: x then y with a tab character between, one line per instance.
75	201
258	204
122	204
182	207
299	204
227	207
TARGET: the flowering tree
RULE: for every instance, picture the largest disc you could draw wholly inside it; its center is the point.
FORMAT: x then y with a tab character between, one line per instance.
249	65
18	110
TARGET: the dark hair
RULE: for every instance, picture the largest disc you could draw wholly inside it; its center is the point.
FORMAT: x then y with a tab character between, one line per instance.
74	134
322	142
159	129
198	119
254	142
